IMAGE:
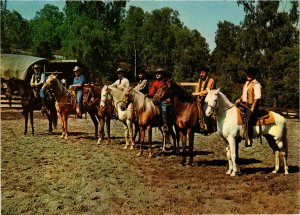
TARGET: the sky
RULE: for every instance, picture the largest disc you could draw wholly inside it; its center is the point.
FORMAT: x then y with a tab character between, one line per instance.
200	15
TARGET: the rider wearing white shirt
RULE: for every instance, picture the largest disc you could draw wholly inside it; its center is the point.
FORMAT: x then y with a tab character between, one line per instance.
251	97
122	82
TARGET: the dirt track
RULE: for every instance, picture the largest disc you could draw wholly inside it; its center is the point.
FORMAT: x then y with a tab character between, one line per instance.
43	174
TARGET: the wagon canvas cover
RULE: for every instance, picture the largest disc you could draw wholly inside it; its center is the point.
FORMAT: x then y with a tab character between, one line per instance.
17	66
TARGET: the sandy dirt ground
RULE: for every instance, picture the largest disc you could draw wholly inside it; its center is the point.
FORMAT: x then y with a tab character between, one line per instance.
43	174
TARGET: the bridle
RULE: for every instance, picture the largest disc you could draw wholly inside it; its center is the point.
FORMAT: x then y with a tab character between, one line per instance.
91	96
213	107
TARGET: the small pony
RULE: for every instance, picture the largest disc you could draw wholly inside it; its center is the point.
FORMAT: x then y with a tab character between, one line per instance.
216	103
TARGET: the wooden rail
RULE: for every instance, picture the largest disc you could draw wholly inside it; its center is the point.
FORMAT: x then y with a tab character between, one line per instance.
14	102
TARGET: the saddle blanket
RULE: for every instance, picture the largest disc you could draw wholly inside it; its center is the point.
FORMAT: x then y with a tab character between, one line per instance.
266	118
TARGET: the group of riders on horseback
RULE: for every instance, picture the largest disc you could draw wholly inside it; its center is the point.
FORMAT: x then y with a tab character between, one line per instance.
248	102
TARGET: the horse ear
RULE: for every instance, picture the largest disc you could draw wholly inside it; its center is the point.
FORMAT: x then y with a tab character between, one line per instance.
218	90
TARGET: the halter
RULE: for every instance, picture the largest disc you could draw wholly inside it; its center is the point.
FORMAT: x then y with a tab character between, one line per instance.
93	96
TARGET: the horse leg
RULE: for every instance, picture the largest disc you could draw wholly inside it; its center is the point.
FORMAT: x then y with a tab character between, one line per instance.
126	136
108	129
142	138
191	146
101	130
25	113
66	127
130	127
174	138
183	141
95	121
272	143
149	128
232	145
284	157
228	154
31	121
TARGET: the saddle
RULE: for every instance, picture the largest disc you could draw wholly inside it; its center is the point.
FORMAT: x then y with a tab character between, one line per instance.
263	117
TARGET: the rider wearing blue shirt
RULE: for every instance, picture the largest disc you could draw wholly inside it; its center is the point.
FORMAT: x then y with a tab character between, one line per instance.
78	83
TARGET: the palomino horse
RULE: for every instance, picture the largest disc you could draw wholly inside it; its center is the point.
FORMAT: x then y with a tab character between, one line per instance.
186	112
29	103
148	116
91	102
127	117
65	101
226	114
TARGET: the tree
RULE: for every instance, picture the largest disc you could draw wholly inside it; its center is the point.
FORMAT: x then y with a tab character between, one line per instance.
12	39
90	33
45	31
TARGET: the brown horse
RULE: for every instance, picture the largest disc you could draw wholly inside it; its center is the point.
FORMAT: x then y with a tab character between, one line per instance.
66	103
91	102
148	116
30	103
186	111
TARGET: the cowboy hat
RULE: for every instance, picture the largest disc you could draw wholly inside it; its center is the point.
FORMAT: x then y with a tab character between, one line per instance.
76	68
36	66
120	70
159	70
204	68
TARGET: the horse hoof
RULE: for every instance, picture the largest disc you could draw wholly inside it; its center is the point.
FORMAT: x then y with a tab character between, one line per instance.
132	147
232	174
139	154
99	142
150	155
228	172
286	172
125	147
274	171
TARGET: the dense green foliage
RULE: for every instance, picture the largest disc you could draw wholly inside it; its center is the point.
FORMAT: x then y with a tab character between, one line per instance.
104	35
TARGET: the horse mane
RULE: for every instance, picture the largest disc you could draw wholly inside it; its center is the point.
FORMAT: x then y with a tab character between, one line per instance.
143	103
181	93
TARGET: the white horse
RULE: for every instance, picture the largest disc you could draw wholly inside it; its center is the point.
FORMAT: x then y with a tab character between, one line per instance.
126	116
216	103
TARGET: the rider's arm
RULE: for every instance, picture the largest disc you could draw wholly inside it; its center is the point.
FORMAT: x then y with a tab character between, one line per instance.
32	82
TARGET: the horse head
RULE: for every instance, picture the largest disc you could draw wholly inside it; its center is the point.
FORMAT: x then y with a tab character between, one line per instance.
50	81
104	95
165	91
88	95
127	98
211	102
11	87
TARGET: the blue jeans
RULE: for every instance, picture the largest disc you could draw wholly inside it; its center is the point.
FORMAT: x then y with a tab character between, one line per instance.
167	112
40	92
79	95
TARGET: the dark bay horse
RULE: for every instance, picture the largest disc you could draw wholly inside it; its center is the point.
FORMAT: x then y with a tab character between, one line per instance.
186	111
30	103
66	103
91	102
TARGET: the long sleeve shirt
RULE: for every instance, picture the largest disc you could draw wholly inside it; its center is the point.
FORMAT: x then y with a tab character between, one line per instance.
155	86
121	83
